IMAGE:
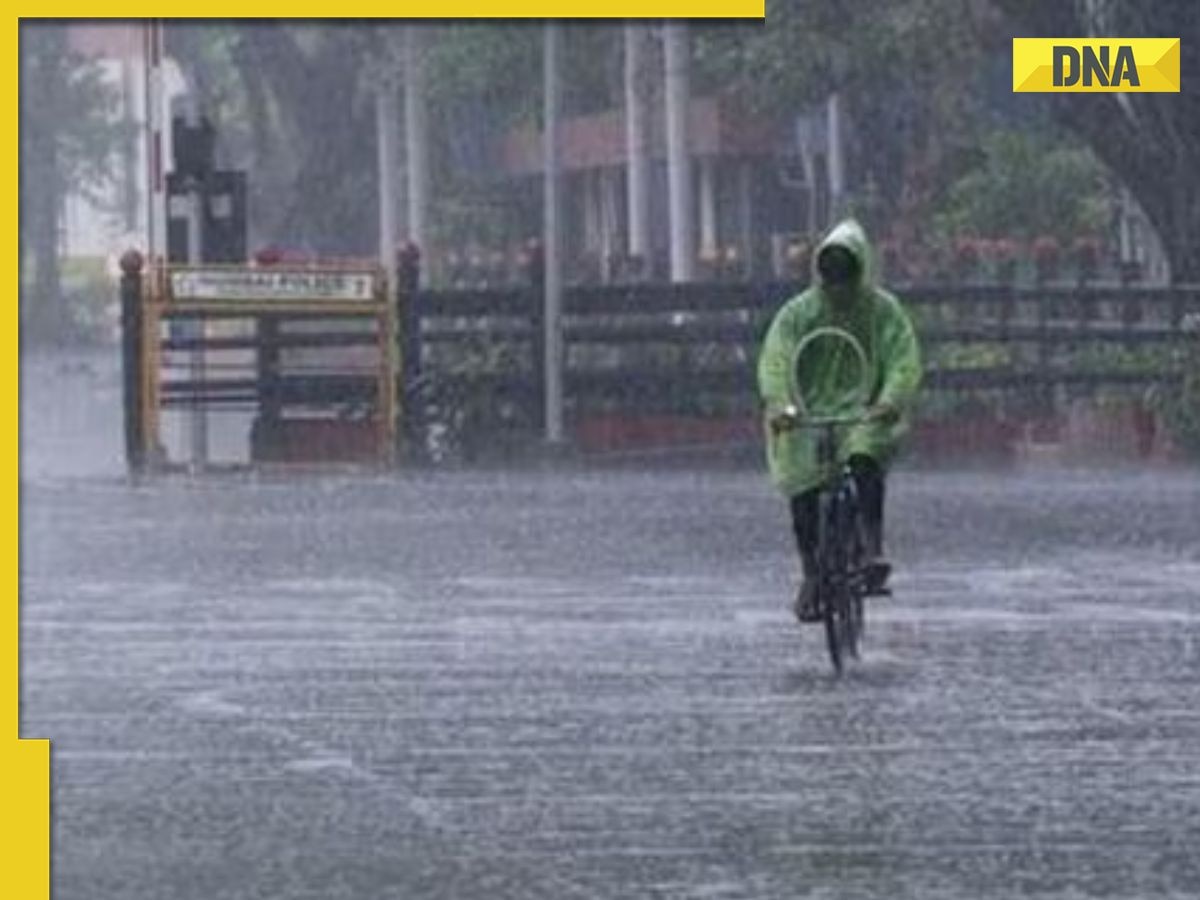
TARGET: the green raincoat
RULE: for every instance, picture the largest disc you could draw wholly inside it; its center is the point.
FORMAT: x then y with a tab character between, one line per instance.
828	368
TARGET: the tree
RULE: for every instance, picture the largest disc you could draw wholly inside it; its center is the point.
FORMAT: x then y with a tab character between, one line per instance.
1026	185
317	169
69	135
906	71
295	104
1150	141
291	102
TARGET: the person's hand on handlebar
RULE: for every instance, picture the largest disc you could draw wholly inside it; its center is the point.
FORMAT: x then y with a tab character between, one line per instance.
785	420
883	412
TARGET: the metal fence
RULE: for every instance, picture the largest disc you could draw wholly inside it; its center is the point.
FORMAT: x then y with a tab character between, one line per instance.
689	350
645	364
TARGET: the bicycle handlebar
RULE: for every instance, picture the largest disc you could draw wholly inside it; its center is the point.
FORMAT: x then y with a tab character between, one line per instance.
820	421
825	421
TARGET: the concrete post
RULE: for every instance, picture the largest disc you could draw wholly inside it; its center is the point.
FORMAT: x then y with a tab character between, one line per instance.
552	316
679	169
637	146
132	360
416	134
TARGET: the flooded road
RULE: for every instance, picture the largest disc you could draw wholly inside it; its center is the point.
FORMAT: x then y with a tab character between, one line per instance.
571	684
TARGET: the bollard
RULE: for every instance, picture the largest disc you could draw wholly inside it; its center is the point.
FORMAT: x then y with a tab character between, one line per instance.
408	338
408	314
265	433
408	342
133	361
267	366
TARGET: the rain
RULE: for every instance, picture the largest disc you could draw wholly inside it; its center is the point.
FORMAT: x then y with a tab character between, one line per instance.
395	516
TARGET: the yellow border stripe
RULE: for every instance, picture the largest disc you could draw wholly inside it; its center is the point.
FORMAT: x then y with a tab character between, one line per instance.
455	9
25	764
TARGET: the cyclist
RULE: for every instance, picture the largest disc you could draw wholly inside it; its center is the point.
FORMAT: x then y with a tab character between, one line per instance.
844	295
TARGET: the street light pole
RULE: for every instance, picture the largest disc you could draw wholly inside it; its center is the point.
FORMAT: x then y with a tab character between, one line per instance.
385	125
156	211
552	242
677	54
637	128
416	135
198	419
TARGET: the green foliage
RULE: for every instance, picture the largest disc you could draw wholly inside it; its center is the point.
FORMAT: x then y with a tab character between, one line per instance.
499	62
68	110
1145	360
85	306
469	213
210	50
955	355
1025	185
483	418
942	406
292	107
90	296
1178	403
1181	410
294	104
69	137
806	50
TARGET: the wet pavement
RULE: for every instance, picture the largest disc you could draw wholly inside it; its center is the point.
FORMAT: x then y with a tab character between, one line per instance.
567	684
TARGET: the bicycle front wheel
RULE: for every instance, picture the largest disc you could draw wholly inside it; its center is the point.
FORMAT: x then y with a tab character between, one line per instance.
840	554
836	637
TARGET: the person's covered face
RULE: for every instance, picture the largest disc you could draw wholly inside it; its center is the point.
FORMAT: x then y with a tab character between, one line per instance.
839	270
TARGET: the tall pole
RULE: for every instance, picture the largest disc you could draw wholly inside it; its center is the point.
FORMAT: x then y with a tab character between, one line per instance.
608	222
385	127
385	130
637	130
708	207
552	241
745	195
679	170
156	198
198	420
416	135
836	166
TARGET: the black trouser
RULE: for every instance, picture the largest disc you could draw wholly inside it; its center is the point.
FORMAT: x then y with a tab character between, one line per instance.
868	478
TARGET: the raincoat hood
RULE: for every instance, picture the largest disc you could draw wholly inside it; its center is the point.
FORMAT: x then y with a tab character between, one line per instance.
849	235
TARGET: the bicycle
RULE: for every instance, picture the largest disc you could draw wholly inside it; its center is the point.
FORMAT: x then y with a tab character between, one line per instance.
843	578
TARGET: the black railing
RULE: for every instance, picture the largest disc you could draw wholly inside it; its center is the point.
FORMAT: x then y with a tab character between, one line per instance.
683	348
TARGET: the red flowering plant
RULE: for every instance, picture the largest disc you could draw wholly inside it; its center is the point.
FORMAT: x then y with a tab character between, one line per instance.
1047	253
967	255
1087	250
934	259
1004	253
